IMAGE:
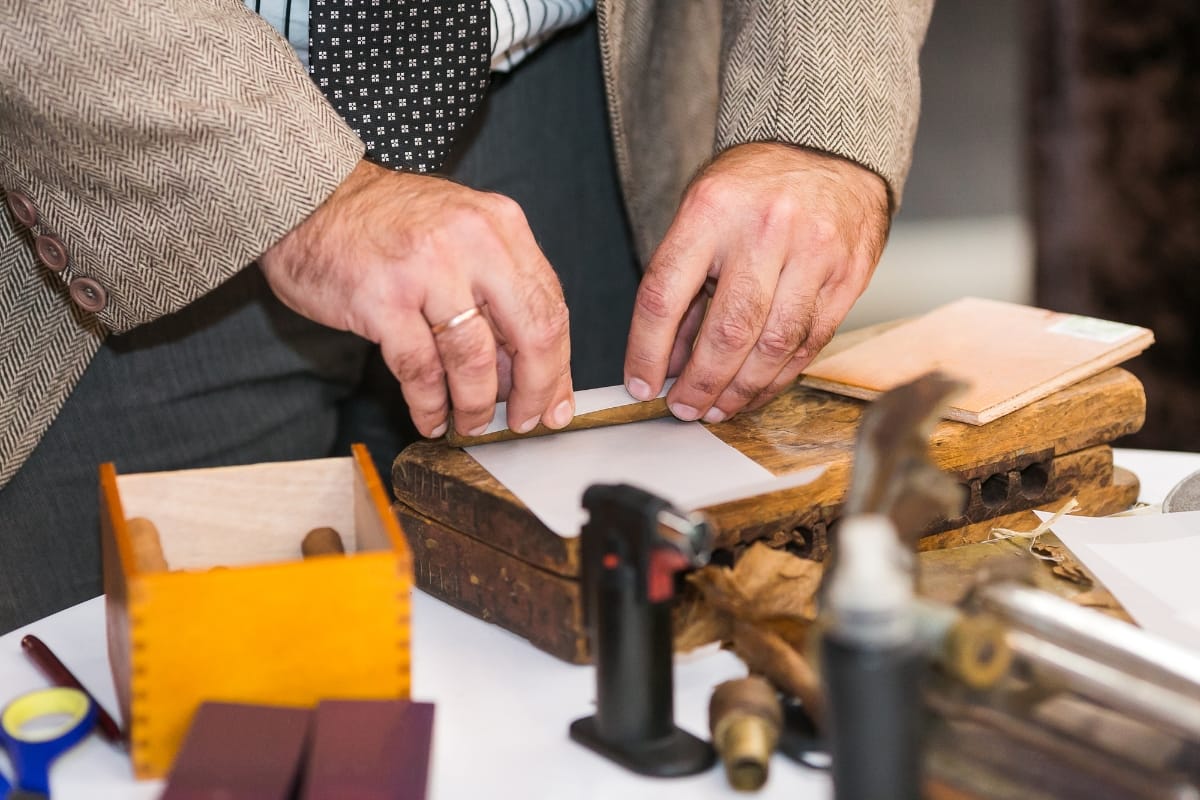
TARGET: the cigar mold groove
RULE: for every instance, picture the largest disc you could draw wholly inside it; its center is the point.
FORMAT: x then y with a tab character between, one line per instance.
994	491
990	491
1034	479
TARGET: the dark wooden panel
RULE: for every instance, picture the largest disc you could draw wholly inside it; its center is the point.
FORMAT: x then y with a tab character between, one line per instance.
496	586
547	608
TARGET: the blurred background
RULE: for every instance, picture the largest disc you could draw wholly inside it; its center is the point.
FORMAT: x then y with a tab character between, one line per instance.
1058	164
963	228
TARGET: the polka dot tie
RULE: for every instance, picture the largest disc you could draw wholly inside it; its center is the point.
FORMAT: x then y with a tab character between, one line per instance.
405	74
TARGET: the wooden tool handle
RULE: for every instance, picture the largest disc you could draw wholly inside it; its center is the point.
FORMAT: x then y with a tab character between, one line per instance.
632	412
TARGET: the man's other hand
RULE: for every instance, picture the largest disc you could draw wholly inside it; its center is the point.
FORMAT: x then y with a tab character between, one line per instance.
393	256
770	248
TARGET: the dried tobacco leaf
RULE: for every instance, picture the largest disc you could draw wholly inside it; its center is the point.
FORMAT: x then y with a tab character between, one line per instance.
776	583
698	623
720	588
1065	564
766	653
1072	572
792	630
765	585
1102	600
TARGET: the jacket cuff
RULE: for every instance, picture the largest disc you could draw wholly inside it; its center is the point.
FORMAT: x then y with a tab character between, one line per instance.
839	77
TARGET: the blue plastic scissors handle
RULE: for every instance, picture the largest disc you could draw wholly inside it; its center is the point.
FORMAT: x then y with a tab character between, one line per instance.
32	748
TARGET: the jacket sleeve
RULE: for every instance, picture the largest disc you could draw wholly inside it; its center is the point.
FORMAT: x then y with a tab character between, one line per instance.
838	76
164	145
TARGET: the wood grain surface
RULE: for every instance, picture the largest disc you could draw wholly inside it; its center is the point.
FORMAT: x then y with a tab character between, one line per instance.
477	547
547	608
1007	354
803	428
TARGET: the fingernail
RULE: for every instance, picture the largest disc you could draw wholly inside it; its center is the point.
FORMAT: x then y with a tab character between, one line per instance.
639	389
563	413
686	413
527	425
438	431
714	414
479	431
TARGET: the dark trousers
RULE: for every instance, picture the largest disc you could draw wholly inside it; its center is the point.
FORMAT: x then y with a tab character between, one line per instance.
236	378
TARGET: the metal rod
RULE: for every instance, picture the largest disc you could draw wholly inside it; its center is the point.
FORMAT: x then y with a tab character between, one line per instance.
1109	685
1090	633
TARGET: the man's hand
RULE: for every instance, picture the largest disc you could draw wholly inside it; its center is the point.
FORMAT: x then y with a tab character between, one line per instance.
783	240
390	255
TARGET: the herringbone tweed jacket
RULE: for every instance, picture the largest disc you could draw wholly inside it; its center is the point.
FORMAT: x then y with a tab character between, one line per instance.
149	150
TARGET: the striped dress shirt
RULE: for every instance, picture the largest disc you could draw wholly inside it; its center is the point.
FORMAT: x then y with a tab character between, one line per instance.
518	26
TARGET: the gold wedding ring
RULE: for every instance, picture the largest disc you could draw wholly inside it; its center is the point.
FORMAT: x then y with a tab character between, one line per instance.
456	320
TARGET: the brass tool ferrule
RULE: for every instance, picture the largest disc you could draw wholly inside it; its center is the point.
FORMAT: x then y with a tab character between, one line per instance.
745	719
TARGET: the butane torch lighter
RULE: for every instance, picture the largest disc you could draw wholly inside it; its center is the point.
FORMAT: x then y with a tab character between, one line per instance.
633	545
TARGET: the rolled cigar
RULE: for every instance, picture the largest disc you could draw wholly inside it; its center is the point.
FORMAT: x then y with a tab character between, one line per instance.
322	542
630	412
147	549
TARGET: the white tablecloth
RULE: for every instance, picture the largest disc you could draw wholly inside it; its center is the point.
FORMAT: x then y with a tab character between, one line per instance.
503	707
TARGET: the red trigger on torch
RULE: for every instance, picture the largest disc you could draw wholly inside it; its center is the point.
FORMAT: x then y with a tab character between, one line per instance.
660	582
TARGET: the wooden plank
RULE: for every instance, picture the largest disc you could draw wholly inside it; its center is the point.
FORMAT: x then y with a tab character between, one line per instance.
224	515
1008	355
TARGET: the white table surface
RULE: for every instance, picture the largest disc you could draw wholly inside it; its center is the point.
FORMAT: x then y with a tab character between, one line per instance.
503	707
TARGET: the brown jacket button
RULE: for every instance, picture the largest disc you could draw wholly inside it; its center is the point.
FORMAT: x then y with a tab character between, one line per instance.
22	208
88	295
51	252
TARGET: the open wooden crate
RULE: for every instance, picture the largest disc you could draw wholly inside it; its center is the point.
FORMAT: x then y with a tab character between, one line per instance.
239	615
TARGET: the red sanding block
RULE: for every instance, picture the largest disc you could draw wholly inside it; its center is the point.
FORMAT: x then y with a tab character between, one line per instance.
240	752
369	750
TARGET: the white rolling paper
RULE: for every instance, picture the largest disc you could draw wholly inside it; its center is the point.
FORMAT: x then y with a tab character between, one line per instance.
679	461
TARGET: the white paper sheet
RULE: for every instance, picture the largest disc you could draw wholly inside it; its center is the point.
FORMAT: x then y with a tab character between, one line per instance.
1149	562
679	461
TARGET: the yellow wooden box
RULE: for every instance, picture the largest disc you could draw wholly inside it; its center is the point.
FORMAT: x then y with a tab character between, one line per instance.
240	616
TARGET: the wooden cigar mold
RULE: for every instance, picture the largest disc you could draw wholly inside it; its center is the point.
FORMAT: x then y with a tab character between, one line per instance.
478	548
